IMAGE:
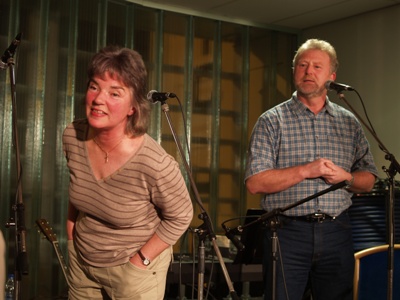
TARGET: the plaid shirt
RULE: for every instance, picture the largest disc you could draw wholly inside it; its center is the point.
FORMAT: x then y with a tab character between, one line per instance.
290	134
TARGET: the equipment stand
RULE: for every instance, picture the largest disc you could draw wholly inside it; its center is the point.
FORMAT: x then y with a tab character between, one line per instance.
205	230
391	173
21	257
273	223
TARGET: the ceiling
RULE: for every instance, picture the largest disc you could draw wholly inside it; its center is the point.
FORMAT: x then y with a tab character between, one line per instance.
289	14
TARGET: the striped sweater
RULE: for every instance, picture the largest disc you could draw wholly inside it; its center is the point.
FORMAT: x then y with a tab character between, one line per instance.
118	214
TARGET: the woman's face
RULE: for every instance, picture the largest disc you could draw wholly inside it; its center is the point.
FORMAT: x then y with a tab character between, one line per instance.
108	103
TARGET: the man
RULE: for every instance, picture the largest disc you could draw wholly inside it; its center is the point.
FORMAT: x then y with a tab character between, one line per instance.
299	148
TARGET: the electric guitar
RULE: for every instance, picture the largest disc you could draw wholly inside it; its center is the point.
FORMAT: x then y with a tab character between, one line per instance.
47	231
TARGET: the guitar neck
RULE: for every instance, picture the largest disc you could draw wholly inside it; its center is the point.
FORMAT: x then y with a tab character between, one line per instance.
47	231
61	259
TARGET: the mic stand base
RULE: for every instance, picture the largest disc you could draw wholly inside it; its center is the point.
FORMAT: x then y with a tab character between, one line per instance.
203	232
273	225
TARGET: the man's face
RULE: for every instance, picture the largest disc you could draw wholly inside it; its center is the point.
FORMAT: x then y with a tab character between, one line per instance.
311	72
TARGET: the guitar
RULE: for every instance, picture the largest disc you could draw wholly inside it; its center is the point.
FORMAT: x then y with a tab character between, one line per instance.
47	231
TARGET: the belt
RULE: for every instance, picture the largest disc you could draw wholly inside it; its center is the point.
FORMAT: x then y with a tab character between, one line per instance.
312	218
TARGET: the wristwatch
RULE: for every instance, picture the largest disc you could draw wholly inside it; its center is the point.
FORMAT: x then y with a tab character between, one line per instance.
145	260
349	183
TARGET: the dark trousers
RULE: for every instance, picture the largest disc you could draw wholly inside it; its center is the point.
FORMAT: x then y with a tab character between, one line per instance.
319	253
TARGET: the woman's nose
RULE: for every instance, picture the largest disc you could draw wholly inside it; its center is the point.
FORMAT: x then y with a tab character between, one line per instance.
100	97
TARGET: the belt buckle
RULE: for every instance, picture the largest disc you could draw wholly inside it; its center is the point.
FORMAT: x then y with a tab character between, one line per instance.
319	217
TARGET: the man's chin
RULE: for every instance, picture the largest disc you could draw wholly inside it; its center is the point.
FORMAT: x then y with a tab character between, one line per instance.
310	93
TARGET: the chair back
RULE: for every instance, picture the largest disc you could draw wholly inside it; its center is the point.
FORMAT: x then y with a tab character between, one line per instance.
371	273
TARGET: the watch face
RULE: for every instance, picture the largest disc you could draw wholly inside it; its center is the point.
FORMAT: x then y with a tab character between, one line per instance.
145	260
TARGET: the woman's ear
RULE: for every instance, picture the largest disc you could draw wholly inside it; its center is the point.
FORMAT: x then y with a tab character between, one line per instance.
131	111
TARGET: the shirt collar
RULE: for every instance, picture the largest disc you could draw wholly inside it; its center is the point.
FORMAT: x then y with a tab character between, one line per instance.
299	107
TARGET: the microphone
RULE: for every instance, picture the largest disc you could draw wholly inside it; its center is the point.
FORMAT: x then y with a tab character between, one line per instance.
155	96
10	51
231	236
338	87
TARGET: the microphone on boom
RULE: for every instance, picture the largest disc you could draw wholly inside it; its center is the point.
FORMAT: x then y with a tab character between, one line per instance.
230	234
10	51
338	87
154	96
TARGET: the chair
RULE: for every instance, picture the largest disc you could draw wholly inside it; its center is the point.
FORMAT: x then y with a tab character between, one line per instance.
370	273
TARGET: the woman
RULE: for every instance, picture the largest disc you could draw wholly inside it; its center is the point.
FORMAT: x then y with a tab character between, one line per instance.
128	202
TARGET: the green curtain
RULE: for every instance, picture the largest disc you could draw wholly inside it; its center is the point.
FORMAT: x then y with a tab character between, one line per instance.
224	74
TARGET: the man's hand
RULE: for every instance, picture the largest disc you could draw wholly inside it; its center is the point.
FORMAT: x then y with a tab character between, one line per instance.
335	174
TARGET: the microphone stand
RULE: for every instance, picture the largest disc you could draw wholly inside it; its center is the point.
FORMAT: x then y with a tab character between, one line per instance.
205	230
273	223
21	258
391	172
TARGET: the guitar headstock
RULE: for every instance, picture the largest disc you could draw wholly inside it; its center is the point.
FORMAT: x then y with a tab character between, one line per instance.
46	230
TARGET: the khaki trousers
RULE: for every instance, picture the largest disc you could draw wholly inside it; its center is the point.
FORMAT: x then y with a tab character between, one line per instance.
120	282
